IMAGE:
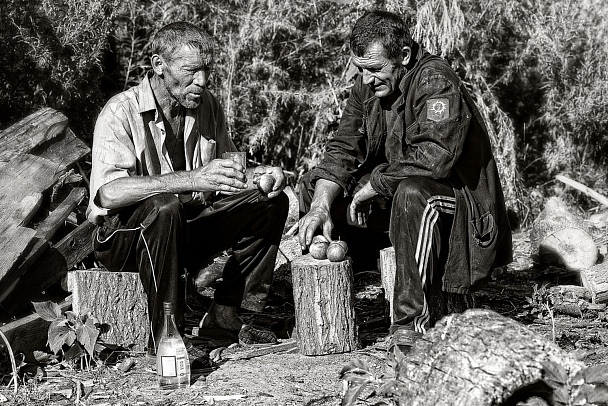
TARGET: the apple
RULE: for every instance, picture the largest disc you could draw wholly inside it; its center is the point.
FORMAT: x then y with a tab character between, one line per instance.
318	250
336	250
265	184
319	238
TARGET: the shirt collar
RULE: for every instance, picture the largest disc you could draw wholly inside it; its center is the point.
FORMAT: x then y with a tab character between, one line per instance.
147	101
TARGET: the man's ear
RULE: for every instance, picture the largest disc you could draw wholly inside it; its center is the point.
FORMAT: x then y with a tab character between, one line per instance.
407	55
158	64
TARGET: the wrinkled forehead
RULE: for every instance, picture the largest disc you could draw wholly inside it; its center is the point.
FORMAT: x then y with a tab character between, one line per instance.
373	55
187	52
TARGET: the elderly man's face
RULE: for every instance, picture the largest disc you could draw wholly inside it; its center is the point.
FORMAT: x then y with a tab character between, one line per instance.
380	73
186	75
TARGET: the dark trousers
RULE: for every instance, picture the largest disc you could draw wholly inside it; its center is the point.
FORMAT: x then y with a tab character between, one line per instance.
418	219
159	237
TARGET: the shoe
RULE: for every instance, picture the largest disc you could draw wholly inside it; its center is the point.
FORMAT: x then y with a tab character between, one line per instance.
401	344
252	335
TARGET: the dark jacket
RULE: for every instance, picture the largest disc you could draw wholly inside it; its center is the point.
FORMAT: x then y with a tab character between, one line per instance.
437	133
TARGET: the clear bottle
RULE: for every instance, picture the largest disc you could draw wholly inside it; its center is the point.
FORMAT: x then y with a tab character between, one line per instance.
172	365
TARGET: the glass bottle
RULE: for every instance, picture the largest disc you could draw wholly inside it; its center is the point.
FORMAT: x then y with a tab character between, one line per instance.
172	365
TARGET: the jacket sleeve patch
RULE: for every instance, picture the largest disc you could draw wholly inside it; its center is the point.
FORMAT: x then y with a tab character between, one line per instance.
437	109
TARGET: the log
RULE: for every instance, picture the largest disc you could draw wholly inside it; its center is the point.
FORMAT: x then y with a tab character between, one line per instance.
114	298
595	279
35	129
478	357
30	333
33	278
324	306
22	183
440	303
559	236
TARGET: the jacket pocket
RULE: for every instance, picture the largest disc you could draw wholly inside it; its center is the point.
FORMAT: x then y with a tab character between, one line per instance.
484	230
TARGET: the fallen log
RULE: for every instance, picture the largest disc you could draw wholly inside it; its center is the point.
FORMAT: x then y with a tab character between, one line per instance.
324	306
49	268
480	357
30	333
595	279
559	236
35	129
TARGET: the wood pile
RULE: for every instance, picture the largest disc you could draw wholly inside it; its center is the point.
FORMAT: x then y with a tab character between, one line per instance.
43	233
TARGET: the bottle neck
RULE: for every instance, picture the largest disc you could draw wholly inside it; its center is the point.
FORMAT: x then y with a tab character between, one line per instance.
170	326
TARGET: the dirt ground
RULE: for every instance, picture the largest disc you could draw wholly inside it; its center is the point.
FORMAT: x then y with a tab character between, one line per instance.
279	375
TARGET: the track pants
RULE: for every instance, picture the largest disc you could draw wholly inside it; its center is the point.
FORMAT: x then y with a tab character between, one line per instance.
418	220
159	237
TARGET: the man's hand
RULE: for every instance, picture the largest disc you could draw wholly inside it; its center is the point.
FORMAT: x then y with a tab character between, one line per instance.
317	217
219	175
277	174
361	206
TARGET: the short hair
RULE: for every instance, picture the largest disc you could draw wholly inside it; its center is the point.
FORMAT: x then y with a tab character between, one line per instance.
172	37
384	27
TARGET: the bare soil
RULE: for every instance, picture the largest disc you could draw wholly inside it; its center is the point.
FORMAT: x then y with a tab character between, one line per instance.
279	375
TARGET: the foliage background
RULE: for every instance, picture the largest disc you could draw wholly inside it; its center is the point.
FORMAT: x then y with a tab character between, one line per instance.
536	69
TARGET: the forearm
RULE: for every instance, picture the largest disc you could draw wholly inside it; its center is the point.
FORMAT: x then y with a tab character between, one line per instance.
326	192
129	190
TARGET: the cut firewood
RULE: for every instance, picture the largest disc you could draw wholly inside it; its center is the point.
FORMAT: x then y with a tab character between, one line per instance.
595	279
480	357
559	237
324	306
23	136
50	267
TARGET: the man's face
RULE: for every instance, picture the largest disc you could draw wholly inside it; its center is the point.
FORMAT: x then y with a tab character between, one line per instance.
380	73
186	74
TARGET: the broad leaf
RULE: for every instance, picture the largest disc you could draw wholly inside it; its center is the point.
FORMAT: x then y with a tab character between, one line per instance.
596	374
87	336
352	393
554	374
57	333
561	396
591	394
48	311
43	357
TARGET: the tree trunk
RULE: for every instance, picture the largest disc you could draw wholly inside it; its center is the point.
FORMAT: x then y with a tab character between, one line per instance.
559	237
324	305
114	298
440	303
478	358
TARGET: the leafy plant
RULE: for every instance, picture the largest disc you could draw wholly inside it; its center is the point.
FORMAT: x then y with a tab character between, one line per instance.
589	386
73	335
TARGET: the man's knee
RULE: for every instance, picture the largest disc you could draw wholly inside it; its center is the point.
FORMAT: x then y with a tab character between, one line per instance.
410	189
163	206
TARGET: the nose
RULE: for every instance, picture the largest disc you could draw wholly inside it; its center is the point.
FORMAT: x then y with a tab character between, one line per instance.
200	78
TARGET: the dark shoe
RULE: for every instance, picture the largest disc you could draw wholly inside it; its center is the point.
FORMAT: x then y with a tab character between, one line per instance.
401	344
198	358
253	335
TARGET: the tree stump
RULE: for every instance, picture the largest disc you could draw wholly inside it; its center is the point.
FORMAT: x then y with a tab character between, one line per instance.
440	303
114	298
559	237
387	275
478	358
324	306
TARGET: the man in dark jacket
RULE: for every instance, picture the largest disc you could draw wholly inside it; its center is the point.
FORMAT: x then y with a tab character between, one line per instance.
411	156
